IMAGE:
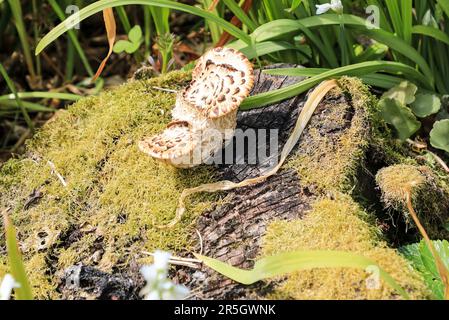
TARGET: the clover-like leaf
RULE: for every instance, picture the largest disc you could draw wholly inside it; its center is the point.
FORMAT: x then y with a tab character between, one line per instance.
403	92
426	105
400	117
132	47
439	136
135	34
121	46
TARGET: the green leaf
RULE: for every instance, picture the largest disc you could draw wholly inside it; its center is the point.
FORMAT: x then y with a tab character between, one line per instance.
15	260
288	262
133	47
439	136
400	117
422	260
41	94
431	32
295	5
286	28
273	96
426	105
98	6
444	4
19	102
29	106
267	47
121	46
240	14
135	34
375	79
404	93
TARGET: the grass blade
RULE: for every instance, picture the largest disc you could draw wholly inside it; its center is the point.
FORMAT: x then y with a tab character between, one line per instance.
12	87
267	47
29	106
240	14
16	9
444	4
274	96
431	32
72	35
98	6
287	28
15	260
288	262
407	15
383	81
41	95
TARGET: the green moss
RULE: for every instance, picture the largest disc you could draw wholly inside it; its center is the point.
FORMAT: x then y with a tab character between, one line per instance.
430	195
330	161
338	224
115	194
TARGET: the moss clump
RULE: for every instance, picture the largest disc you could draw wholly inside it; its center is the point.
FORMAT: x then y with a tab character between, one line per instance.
329	160
338	224
429	194
115	194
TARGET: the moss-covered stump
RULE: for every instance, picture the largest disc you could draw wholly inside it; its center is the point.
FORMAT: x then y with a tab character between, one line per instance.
114	196
87	203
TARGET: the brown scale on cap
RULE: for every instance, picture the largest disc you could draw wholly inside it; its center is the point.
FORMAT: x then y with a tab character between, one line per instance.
221	80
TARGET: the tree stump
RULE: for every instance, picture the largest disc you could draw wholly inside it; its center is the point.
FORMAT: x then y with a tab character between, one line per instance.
89	245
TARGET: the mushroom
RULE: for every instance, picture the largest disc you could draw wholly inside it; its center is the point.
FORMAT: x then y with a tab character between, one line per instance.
205	113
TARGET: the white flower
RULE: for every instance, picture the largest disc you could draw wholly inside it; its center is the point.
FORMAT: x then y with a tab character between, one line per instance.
161	259
180	292
6	287
158	286
429	20
334	5
153	295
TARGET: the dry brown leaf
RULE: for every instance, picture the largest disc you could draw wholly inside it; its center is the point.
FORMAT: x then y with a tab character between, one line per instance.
213	5
226	37
111	30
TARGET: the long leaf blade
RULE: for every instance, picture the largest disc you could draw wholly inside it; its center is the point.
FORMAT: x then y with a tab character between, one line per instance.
288	262
15	260
99	6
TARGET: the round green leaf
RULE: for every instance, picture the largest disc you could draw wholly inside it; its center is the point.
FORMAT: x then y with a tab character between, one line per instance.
121	46
439	136
400	117
403	92
133	47
426	105
135	34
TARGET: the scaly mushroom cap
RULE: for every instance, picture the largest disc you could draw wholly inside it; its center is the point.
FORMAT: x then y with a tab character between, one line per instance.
174	142
221	80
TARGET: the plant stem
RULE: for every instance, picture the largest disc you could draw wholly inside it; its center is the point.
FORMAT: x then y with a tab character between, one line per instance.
16	10
11	86
444	274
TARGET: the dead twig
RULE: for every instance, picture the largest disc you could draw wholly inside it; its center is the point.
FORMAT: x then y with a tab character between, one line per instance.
164	89
54	171
186	262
